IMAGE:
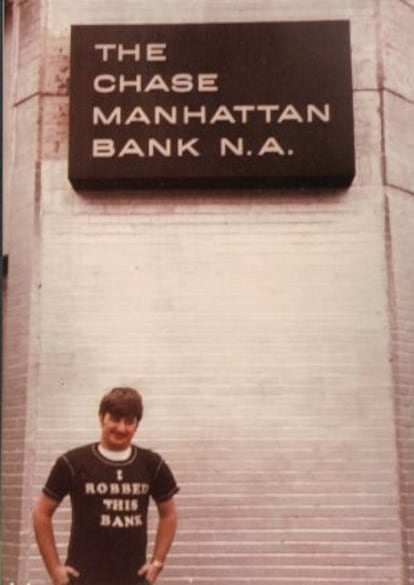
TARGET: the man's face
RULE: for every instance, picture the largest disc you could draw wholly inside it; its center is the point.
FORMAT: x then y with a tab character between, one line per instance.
117	432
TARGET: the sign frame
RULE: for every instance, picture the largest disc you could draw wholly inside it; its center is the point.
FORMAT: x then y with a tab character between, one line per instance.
219	105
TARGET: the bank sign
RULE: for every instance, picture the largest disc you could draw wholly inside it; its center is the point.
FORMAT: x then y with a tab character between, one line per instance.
211	105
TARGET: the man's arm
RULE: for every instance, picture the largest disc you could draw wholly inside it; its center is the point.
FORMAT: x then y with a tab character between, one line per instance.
43	528
167	524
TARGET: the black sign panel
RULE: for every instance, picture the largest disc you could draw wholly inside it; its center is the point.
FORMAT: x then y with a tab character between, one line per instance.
211	105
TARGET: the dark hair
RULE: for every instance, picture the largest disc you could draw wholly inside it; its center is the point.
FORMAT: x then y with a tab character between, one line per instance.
122	401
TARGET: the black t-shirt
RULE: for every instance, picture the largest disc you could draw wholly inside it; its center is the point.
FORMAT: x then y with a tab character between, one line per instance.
109	509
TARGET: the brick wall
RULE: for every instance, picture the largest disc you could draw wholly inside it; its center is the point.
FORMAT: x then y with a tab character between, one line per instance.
401	231
398	82
20	346
258	327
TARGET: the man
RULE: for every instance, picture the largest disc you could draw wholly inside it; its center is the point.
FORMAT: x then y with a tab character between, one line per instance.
110	484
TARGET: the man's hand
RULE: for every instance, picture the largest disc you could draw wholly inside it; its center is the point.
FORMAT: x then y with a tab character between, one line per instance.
62	574
150	572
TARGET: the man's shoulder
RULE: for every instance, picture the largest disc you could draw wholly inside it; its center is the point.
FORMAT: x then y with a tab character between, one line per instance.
163	482
79	453
146	453
147	456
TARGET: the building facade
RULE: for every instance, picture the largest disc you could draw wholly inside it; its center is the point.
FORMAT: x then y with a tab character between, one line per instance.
270	332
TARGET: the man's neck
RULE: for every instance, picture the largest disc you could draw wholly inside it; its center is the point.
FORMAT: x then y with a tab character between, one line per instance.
122	455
